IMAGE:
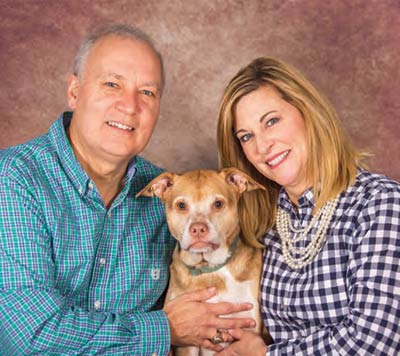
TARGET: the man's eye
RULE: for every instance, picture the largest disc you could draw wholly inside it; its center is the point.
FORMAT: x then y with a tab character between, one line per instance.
148	92
111	84
272	121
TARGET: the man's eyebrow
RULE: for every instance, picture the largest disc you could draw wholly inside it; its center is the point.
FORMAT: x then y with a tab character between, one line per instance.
152	84
121	77
113	74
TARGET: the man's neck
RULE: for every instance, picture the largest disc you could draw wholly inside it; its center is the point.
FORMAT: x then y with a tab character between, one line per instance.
108	177
108	184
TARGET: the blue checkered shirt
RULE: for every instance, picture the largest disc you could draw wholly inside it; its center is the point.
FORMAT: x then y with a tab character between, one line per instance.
77	278
347	301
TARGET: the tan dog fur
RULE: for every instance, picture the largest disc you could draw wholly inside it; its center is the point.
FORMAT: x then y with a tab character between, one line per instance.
202	214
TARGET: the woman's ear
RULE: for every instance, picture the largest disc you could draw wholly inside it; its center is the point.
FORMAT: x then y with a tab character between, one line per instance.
72	91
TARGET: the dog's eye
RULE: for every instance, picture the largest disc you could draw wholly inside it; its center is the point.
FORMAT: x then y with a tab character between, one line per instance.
181	205
218	204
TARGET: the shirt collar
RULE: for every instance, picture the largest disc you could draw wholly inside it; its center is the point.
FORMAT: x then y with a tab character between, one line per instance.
131	171
305	201
71	166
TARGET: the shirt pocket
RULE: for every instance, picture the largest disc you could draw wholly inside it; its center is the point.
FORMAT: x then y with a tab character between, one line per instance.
155	274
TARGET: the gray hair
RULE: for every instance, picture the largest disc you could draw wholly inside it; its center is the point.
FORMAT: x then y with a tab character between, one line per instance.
120	30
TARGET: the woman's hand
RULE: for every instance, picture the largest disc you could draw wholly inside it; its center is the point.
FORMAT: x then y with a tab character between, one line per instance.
194	322
247	343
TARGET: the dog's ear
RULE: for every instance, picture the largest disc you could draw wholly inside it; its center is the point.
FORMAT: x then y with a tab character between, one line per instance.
241	181
158	186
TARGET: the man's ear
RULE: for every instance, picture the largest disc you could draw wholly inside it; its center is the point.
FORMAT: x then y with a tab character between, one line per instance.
72	91
158	186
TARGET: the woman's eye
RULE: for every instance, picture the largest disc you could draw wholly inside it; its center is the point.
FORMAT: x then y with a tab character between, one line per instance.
111	84
218	204
245	138
272	121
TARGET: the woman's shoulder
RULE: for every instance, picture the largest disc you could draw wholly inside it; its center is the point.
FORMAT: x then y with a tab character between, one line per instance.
373	183
370	193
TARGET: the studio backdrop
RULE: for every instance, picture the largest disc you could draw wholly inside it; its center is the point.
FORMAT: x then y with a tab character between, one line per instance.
350	49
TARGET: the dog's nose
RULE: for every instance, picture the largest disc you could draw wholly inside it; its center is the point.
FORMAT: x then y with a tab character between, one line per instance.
198	230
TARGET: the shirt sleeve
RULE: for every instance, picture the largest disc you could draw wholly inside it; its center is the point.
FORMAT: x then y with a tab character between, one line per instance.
35	318
372	325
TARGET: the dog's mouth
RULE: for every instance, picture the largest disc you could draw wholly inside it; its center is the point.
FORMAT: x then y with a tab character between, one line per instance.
202	247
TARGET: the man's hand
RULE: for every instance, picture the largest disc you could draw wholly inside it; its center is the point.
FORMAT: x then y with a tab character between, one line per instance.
194	322
244	340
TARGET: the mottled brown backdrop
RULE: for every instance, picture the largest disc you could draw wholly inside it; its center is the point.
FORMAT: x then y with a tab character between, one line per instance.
349	48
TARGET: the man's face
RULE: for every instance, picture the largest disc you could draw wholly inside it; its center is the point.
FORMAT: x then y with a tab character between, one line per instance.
116	100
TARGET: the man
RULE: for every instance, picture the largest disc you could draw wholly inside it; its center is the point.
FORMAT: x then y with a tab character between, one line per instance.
83	263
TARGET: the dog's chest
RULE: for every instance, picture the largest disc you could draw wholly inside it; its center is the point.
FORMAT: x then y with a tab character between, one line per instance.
238	292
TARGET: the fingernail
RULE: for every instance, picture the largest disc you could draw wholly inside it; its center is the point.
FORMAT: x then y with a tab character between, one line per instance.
250	306
252	324
212	289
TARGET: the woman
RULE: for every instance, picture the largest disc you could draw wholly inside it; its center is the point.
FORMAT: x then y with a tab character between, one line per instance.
330	282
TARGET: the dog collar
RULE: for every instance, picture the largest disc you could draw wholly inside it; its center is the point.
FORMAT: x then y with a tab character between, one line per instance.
206	269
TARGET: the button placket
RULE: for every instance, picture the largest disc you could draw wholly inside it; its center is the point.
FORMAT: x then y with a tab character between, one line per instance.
97	305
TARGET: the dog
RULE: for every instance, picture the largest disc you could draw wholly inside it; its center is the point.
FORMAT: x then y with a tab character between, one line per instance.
202	215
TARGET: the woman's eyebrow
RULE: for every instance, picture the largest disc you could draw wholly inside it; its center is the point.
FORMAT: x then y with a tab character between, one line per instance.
260	120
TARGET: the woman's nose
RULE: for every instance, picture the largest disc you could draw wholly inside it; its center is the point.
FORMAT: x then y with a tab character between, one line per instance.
263	144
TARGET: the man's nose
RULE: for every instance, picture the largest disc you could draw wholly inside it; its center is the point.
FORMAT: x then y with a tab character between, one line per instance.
129	103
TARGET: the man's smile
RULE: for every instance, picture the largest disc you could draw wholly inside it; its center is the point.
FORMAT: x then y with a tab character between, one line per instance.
120	126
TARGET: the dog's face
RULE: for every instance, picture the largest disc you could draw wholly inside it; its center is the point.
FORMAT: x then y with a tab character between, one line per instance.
201	208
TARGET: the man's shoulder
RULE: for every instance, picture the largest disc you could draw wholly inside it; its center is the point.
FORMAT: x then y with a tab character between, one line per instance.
146	169
26	157
41	154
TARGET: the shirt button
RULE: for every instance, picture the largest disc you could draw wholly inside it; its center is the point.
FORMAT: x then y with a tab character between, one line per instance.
97	304
91	185
80	190
109	214
102	261
154	354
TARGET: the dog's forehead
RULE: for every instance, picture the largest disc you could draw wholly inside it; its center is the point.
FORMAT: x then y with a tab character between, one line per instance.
201	183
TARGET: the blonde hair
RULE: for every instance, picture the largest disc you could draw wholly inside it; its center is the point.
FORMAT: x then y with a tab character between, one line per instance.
332	159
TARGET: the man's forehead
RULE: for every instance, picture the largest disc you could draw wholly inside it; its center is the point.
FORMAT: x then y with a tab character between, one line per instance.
107	47
106	55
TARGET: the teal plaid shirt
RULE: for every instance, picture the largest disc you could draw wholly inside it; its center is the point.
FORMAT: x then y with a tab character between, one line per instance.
77	278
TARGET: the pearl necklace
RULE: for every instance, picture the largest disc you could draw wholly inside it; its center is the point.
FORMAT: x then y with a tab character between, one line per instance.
323	218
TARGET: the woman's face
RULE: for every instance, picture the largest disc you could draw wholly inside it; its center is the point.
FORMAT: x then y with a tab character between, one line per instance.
273	137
